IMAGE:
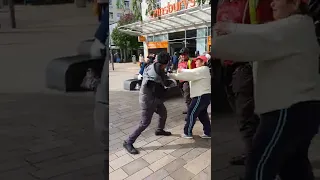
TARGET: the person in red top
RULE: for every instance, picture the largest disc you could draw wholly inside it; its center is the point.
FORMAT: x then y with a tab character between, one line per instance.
239	76
186	63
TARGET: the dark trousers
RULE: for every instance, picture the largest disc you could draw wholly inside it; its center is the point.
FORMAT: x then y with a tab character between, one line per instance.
280	146
102	9
242	87
198	108
186	92
148	109
174	66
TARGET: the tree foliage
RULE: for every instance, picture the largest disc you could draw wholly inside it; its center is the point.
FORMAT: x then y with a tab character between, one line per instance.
122	40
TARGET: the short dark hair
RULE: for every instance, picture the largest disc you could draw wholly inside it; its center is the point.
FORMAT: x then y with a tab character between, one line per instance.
163	57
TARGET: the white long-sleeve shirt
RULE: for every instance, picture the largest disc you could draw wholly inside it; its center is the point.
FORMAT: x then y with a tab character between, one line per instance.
286	59
199	79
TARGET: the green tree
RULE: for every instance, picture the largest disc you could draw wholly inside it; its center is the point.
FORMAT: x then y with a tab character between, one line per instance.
122	40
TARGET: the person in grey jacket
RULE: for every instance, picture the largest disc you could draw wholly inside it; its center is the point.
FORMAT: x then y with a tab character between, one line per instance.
151	100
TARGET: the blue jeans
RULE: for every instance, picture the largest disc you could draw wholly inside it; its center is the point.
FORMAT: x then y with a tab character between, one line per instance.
143	64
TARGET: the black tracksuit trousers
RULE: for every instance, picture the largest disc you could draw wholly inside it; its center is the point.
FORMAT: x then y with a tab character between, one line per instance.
281	143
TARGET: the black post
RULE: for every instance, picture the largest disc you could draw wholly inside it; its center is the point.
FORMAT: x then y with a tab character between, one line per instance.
12	14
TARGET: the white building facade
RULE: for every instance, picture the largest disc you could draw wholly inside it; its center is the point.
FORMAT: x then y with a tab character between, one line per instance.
116	12
173	25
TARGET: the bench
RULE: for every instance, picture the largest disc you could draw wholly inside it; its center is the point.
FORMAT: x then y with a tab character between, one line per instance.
173	90
131	84
67	73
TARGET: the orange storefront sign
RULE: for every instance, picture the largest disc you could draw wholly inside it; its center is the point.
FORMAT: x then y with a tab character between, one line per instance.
141	39
157	45
209	43
170	8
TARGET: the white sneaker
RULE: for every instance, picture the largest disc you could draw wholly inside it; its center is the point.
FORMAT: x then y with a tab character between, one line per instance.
186	136
204	136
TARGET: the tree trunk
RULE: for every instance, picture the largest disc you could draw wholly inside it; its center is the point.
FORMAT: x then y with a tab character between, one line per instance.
125	55
12	14
121	55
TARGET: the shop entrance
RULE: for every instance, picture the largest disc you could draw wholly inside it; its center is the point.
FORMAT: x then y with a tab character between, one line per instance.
194	40
156	51
175	46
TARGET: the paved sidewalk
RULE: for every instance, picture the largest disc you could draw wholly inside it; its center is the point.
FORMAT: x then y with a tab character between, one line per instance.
43	33
170	158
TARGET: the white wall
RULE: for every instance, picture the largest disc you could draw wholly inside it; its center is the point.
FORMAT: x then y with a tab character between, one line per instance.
114	9
111	27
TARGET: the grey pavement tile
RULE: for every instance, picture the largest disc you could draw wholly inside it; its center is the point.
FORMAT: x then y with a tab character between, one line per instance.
115	141
191	155
135	166
68	167
88	173
184	149
16	174
51	154
175	165
182	174
158	175
51	145
65	159
202	176
13	164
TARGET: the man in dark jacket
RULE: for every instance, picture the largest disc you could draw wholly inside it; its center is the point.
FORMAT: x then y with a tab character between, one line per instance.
186	63
240	75
151	100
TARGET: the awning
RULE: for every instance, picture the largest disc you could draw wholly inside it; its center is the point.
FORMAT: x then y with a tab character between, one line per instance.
192	18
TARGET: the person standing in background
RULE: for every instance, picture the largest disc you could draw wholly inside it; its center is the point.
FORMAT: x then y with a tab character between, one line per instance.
141	60
175	61
186	63
240	74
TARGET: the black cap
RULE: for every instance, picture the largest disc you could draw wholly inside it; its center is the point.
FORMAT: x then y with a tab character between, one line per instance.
163	58
184	51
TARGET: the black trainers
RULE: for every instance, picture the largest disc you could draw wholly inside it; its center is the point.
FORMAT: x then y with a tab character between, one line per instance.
162	133
238	160
185	112
130	148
